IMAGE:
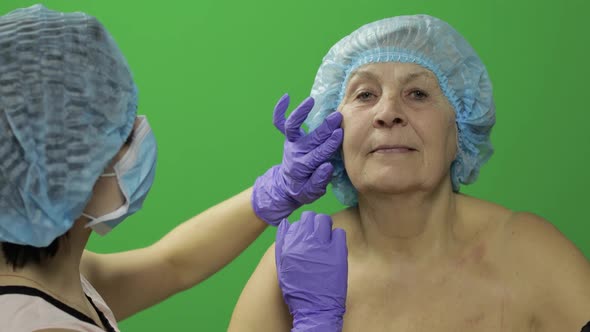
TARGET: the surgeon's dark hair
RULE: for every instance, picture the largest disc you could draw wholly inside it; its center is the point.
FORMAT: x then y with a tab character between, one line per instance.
19	255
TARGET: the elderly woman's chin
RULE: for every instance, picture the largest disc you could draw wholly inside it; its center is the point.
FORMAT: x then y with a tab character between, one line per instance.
398	181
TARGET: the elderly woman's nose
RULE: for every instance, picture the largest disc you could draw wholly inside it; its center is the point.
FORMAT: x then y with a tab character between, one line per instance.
389	113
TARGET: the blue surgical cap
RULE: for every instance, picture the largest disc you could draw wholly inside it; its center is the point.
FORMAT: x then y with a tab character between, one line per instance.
67	105
434	45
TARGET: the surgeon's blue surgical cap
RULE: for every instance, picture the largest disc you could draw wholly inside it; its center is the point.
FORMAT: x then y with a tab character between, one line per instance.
67	105
434	45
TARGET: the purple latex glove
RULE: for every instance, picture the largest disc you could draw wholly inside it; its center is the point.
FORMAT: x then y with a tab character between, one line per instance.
305	171
312	267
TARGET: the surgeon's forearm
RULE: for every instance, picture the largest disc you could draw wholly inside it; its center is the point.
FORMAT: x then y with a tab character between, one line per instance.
207	242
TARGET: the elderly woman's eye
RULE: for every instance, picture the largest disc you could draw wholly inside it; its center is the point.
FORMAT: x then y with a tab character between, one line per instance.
418	94
365	95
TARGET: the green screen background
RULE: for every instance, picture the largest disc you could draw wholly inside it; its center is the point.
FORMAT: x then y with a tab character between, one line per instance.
209	73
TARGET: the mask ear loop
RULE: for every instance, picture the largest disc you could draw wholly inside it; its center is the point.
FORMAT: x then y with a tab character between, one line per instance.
103	175
88	216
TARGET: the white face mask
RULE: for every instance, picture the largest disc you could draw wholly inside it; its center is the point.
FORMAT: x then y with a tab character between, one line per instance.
135	174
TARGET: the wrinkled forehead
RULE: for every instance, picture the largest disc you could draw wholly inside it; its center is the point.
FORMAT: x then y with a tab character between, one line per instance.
398	71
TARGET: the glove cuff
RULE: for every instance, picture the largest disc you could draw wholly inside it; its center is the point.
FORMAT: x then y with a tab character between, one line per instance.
269	201
314	321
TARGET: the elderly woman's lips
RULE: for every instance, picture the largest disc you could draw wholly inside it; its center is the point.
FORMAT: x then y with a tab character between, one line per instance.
393	149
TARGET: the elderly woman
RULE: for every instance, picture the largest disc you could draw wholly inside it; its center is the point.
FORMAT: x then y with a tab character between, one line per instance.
417	114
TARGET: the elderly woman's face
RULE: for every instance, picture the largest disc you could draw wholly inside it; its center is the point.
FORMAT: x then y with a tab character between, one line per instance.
399	129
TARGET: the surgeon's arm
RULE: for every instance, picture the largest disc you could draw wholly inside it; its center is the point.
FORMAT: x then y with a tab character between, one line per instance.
261	306
134	280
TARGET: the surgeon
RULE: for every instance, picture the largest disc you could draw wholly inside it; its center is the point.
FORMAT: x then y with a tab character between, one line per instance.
75	157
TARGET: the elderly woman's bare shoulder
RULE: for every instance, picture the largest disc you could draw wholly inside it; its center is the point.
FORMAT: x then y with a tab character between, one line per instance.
534	236
525	233
544	258
551	268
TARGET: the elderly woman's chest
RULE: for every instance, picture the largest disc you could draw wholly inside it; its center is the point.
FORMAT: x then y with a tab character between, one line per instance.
469	299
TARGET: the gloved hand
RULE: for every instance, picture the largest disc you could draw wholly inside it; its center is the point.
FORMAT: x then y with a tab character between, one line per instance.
312	268
305	171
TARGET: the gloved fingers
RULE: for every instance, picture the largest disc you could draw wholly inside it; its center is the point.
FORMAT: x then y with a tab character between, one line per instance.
326	150
280	239
282	231
306	224
316	186
323	132
339	240
293	124
323	228
278	116
322	175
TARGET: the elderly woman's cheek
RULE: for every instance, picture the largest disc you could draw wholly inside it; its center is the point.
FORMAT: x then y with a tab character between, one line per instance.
350	147
352	150
354	130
